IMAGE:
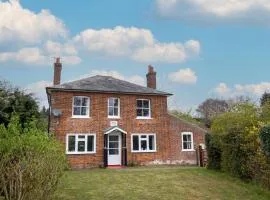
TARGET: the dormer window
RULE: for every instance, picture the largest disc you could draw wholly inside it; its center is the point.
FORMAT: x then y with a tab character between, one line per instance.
113	107
143	109
80	108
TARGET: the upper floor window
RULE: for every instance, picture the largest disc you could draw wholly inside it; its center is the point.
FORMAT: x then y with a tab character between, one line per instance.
80	143
187	141
113	107
143	108
80	106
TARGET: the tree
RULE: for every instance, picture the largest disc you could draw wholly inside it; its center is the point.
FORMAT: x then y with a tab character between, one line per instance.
14	100
265	99
211	108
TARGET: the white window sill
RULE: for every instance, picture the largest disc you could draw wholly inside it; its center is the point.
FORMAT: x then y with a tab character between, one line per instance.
114	117
80	117
78	153
187	150
144	118
153	151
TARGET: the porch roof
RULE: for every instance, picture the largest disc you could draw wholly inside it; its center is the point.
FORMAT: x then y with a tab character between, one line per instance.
114	128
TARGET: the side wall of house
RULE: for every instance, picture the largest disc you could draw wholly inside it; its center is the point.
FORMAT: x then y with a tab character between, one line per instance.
177	155
99	121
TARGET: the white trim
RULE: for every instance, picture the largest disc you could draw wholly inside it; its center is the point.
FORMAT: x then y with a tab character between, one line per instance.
118	106
115	128
192	142
76	143
144	117
147	139
87	110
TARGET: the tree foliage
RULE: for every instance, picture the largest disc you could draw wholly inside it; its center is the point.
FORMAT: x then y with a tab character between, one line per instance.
265	139
265	99
236	134
14	100
210	109
31	162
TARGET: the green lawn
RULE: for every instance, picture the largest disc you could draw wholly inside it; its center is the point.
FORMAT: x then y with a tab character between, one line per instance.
153	183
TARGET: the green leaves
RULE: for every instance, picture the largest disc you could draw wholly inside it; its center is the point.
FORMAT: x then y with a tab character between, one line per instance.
31	162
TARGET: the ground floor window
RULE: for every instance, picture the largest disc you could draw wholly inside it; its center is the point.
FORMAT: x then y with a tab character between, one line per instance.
143	142
80	143
187	141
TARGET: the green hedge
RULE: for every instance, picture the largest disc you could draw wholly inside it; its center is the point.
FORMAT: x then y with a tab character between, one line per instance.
31	162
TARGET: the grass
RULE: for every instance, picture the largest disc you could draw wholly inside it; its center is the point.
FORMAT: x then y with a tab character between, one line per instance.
154	183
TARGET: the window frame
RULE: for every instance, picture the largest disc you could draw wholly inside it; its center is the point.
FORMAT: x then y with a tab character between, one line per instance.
77	139
147	139
143	117
88	106
192	141
108	108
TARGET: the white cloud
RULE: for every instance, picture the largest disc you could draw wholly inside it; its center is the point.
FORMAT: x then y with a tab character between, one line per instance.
20	24
38	90
137	44
255	11
255	90
133	79
36	56
183	76
222	89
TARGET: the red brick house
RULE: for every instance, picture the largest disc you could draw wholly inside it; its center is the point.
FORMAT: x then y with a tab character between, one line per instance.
104	121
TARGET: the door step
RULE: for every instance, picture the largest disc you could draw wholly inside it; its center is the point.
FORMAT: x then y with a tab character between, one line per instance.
116	167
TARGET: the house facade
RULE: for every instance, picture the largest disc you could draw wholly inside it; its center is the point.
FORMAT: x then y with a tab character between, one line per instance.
103	121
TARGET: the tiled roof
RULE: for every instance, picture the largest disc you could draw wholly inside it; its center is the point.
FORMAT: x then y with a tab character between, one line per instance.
106	84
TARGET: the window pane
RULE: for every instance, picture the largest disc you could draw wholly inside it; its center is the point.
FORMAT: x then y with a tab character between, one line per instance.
146	113
81	146
143	136
184	138
113	145
81	136
113	152
135	142
84	101
115	111
146	104
71	143
139	112
110	101
188	145
113	138
111	111
143	145
76	111
77	101
152	142
184	145
84	110
189	138
116	102
139	103
90	143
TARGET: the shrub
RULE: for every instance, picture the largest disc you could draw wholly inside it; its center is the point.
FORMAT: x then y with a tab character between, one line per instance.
213	151
265	139
31	162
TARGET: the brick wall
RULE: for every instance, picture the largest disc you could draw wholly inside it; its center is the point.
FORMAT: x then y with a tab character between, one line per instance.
167	128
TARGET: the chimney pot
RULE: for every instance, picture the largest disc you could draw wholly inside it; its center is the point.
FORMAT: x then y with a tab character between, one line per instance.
57	71
151	77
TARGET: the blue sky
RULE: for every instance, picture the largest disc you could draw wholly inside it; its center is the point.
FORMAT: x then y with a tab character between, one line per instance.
199	50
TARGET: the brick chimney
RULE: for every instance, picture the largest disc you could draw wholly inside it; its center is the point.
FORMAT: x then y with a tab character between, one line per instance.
151	78
57	72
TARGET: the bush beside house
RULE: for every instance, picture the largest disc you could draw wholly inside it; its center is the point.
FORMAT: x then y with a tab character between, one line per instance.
31	162
238	143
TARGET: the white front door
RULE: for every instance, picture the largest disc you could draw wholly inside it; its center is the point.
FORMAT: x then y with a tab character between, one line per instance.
114	149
